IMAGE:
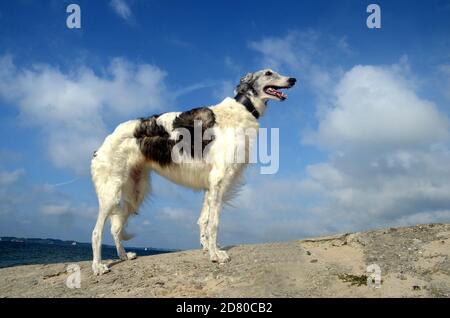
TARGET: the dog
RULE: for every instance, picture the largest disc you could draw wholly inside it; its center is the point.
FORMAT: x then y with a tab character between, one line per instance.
121	168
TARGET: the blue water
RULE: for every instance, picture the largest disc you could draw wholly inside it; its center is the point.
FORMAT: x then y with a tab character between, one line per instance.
26	253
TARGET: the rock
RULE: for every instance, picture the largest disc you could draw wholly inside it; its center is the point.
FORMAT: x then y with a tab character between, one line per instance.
443	235
264	270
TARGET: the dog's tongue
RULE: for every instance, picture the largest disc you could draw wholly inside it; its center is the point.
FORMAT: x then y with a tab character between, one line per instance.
278	94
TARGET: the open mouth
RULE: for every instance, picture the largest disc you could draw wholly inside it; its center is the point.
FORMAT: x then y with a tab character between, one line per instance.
275	91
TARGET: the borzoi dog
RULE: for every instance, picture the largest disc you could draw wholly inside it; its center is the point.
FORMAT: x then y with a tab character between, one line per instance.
122	165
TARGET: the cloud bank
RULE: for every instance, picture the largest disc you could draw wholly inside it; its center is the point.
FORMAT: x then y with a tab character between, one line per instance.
73	109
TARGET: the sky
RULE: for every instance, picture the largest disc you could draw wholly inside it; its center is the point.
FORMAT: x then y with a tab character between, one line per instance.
364	136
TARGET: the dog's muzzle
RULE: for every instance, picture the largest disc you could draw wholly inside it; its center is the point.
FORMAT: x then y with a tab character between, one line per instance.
274	90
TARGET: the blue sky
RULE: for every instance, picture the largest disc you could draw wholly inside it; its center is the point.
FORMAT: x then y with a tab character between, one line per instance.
364	138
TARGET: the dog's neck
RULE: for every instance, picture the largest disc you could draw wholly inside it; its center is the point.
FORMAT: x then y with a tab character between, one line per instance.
254	105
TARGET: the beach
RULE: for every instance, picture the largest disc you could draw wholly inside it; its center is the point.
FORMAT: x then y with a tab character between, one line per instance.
413	262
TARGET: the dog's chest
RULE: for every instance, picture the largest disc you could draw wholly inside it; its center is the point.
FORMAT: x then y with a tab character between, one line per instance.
192	175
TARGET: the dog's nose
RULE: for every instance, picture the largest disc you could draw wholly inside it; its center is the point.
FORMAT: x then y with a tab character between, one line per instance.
292	81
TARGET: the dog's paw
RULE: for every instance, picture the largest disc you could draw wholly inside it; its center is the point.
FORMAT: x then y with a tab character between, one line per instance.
127	256
100	269
131	255
220	257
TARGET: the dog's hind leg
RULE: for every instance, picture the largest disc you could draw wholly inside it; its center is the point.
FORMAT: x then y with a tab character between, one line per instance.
203	222
108	201
133	194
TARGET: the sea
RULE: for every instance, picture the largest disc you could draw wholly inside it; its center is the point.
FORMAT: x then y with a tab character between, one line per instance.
15	252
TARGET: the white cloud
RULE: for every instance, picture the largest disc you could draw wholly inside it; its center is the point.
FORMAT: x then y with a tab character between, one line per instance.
55	209
59	207
10	177
178	215
375	107
277	52
73	108
389	153
122	9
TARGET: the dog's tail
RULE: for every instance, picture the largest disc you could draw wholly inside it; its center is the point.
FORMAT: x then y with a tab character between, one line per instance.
125	236
118	224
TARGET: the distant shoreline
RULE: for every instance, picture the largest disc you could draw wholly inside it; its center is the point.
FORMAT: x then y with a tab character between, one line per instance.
50	241
16	251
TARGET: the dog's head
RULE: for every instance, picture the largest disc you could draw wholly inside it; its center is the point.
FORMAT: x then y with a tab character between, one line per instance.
265	85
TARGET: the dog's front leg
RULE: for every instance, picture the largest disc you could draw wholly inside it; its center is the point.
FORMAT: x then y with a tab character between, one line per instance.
203	222
219	182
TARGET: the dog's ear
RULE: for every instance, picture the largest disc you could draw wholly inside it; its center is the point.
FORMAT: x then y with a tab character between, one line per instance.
245	83
247	78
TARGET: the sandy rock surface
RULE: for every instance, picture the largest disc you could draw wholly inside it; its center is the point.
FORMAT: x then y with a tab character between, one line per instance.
414	262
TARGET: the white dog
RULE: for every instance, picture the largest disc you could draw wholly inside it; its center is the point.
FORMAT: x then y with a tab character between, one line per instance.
121	167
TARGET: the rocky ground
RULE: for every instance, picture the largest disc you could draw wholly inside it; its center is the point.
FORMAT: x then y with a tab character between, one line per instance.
414	262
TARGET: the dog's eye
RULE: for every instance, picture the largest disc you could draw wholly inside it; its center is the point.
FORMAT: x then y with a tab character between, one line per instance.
268	73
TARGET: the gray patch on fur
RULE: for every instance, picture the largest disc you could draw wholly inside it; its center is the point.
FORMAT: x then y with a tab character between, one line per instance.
187	119
153	141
